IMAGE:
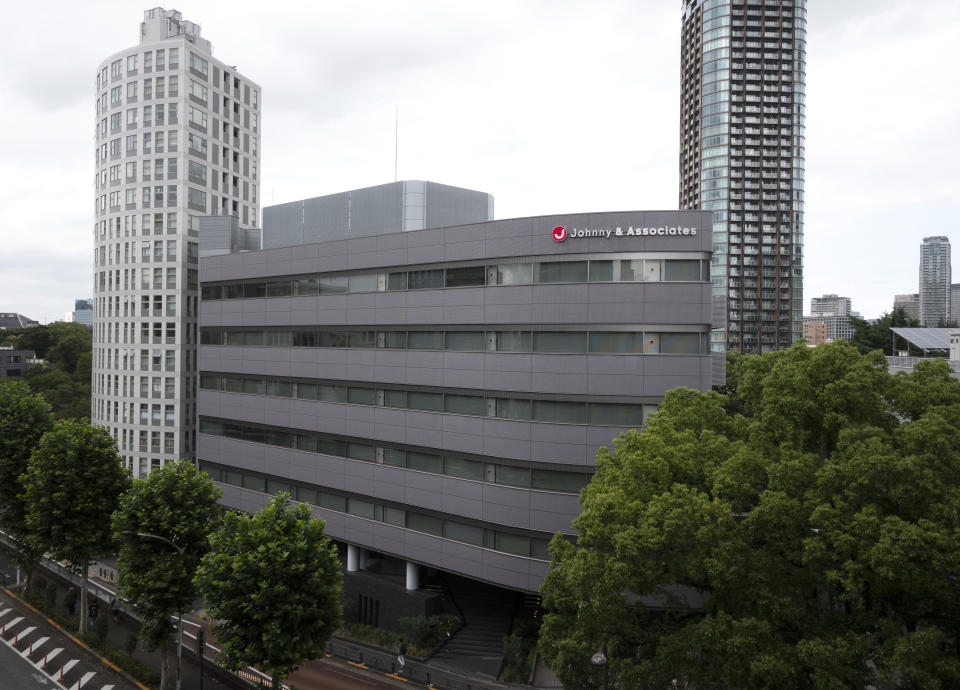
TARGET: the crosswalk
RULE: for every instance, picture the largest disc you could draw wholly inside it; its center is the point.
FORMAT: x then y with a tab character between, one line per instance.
56	663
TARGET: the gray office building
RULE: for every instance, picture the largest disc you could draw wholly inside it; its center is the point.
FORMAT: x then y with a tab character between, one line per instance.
83	311
394	207
910	303
742	132
440	395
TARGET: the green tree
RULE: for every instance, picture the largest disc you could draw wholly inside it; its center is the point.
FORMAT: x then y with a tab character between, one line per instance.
792	533
877	335
73	483
179	505
272	582
24	418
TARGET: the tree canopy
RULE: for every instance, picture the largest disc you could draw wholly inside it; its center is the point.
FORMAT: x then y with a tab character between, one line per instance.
272	582
799	530
67	349
24	418
877	335
72	485
177	504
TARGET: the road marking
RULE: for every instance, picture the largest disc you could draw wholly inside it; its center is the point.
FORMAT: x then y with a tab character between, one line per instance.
83	680
353	663
36	643
66	668
46	659
9	623
393	675
23	633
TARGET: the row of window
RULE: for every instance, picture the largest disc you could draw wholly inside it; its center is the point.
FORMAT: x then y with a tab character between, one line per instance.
576	342
497	540
601	271
521	476
556	411
152	60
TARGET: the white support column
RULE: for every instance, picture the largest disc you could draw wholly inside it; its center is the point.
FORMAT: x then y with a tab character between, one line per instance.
413	576
353	556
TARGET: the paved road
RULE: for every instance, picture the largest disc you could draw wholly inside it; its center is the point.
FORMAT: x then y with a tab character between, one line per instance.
20	673
337	675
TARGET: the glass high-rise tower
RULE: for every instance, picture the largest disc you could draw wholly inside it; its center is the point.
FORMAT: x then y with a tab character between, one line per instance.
177	138
742	157
935	277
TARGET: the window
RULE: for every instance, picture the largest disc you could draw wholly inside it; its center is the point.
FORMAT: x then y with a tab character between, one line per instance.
147	116
197	143
562	272
132	63
559	411
160	58
197	64
132	90
131	117
198	90
461	277
465	340
197	172
510	274
421	280
114	122
548	341
614	414
425	340
197	199
198	117
174	61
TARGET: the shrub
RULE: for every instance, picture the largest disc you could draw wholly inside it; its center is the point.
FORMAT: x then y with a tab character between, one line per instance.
130	643
100	629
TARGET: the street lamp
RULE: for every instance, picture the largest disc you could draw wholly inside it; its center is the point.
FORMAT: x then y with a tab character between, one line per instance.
180	550
600	659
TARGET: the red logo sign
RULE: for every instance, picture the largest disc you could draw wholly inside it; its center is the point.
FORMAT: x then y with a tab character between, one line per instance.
559	233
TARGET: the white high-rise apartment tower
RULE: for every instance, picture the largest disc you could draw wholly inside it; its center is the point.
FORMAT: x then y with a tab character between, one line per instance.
177	138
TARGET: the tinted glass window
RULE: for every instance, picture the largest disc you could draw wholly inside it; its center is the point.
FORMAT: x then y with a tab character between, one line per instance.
460	277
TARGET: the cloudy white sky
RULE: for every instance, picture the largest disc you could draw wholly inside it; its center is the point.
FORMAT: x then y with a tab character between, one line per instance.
551	105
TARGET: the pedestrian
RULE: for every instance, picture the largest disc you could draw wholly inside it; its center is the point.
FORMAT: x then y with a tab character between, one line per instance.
115	609
401	652
93	610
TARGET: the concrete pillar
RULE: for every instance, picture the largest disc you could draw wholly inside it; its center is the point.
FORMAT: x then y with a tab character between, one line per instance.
353	556
413	576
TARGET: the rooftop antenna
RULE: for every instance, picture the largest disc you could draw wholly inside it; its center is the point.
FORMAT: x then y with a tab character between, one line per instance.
396	140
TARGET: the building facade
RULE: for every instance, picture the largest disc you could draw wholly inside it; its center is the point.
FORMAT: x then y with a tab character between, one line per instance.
393	207
439	395
83	312
935	281
830	305
14	363
177	138
910	303
814	330
742	129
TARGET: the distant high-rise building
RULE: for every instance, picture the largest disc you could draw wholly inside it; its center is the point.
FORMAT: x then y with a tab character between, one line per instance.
83	312
910	304
934	281
830	305
955	303
177	138
742	126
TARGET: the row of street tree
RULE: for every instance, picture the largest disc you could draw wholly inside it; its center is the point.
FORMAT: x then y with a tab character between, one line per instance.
270	582
800	529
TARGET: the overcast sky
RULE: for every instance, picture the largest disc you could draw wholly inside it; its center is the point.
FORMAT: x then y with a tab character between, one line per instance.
552	106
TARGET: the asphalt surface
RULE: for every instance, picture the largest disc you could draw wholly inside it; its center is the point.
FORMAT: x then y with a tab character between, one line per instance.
19	673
